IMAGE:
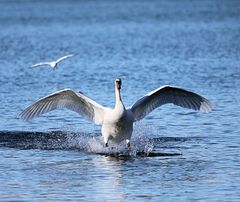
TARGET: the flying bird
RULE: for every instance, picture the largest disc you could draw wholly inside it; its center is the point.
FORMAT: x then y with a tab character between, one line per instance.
52	64
117	123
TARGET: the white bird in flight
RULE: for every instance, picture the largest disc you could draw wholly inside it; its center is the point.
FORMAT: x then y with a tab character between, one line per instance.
52	64
117	123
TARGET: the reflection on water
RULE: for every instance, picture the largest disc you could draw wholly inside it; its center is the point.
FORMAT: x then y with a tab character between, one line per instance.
63	169
90	176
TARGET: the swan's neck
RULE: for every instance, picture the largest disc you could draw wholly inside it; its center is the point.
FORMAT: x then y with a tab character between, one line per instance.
118	105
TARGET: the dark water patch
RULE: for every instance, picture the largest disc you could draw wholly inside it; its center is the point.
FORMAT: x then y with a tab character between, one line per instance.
52	140
122	155
64	140
171	139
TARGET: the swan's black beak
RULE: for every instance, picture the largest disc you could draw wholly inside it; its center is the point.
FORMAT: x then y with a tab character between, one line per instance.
118	83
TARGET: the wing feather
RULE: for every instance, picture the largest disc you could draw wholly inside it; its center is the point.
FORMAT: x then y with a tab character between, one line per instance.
169	94
63	58
41	64
69	99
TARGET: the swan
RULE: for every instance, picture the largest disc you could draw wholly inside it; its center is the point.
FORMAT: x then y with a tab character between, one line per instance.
117	123
52	64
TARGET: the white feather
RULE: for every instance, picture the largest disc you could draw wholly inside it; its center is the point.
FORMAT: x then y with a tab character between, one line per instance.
52	64
169	94
69	99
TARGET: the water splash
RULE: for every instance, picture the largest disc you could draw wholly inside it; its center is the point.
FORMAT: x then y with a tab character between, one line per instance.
141	145
93	143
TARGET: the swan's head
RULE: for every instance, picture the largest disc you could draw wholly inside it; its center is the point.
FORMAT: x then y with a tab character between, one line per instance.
118	83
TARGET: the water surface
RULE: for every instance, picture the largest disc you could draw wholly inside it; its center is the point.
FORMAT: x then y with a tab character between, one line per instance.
194	45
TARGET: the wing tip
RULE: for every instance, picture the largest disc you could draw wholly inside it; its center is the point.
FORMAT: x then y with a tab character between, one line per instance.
23	116
26	114
206	106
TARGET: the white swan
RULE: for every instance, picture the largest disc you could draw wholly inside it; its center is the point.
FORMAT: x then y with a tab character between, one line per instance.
52	64
117	123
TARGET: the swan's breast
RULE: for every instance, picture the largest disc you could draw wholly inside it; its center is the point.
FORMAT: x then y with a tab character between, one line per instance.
118	128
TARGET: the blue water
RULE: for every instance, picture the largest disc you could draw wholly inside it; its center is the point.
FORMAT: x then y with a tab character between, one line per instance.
191	44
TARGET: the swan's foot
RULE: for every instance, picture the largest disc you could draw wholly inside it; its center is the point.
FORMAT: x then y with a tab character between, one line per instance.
128	143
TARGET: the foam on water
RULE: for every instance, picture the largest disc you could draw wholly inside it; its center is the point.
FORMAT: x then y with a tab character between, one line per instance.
93	143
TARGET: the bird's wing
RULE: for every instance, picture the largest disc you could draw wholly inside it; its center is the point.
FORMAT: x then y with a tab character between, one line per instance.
41	64
69	99
169	94
63	58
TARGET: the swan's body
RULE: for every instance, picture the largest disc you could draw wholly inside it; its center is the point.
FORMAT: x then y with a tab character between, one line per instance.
52	64
117	123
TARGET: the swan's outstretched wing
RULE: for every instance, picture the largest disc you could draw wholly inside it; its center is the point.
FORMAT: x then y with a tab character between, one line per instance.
169	94
41	64
69	99
63	58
